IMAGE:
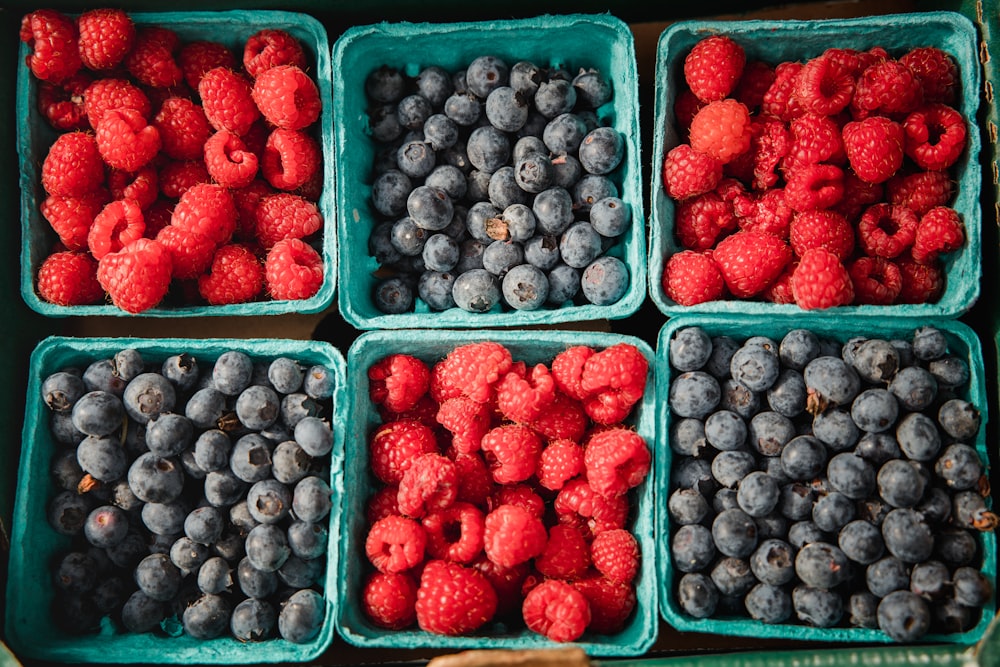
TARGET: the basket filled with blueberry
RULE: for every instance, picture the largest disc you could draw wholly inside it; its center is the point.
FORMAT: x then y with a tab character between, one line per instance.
486	181
825	485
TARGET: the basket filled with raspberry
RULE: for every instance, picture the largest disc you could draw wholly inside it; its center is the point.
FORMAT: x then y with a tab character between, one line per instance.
817	164
502	496
164	172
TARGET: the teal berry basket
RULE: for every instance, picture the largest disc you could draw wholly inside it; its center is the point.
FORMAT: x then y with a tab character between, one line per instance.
29	627
798	40
431	346
962	341
231	28
572	41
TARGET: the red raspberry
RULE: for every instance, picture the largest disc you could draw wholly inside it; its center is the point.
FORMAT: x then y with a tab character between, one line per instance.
227	100
398	381
506	581
721	129
393	447
560	461
511	452
685	107
286	216
53	38
522	399
467	421
764	211
228	161
690	278
616	555
770	141
384	502
750	261
183	128
556	610
935	136
235	275
106	35
566	555
429	483
886	87
177	177
287	97
814	186
71	217
246	199
69	279
470	370
269	48
877	281
453	599
141	186
920	191
713	67
616	460
887	231
687	173
513	535
757	77
455	533
125	141
475	484
567	370
780	291
579	504
874	148
814	139
389	598
702	219
848	60
62	104
192	252
779	101
290	159
293	270
821	228
939	232
137	277
157	216
119	223
112	93
821	281
395	544
563	418
425	411
937	72
614	379
73	166
152	60
823	86
208	209
611	603
522	495
858	195
922	283
196	58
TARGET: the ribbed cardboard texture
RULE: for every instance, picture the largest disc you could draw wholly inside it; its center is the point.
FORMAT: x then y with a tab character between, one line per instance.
231	28
29	630
432	346
775	41
600	41
962	341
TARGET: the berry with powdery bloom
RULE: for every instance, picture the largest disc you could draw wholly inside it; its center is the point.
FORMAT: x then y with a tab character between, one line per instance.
394	445
823	86
522	399
877	281
430	483
750	261
192	252
920	191
228	161
398	381
563	418
814	186
62	104
284	216
118	224
922	283
874	147
886	87
152	60
721	129
616	555
287	97
179	176
814	139
113	93
137	277
687	173
757	77
467	421
470	370
939	232
226	97
821	281
183	128
702	219
513	535
388	600
713	67
764	211
269	48
196	58
453	599
566	554
611	603
567	370
935	136
208	209
235	275
690	278
69	279
72	217
885	230
290	159
821	228
614	380
579	504
455	533
106	35
511	452
293	270
779	101
556	610
125	140
395	544
73	166
937	72
54	40
616	460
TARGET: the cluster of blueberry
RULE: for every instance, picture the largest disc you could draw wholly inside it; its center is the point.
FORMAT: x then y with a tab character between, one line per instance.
834	484
195	497
493	188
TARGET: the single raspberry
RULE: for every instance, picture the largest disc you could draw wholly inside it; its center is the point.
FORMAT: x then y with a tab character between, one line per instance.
922	283
125	140
73	166
920	191
937	72
513	535
690	278
507	582
54	42
293	270
467	421
886	87
700	220
425	411
563	418
234	275
287	97
821	281
757	77
823	86
272	47
137	277
560	461
858	195
183	128
874	147
179	176
228	161
721	129
475	483
579	504
157	216
729	189
470	370
455	533
780	291
113	93
286	216
764	211
511	452
118	224
191	251
208	209
885	230
453	599
770	141
611	603
197	57
814	186
685	107
935	136
141	186
821	228
429	483
152	60
291	159
520	494
62	104
616	460
69	279
389	599
566	555
382	503
877	281
394	445
395	544
106	35
247	198
567	370
849	60
616	554
227	100
713	67
779	101
750	261
398	381
556	610
814	139
687	173
72	217
522	399
939	232
614	380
